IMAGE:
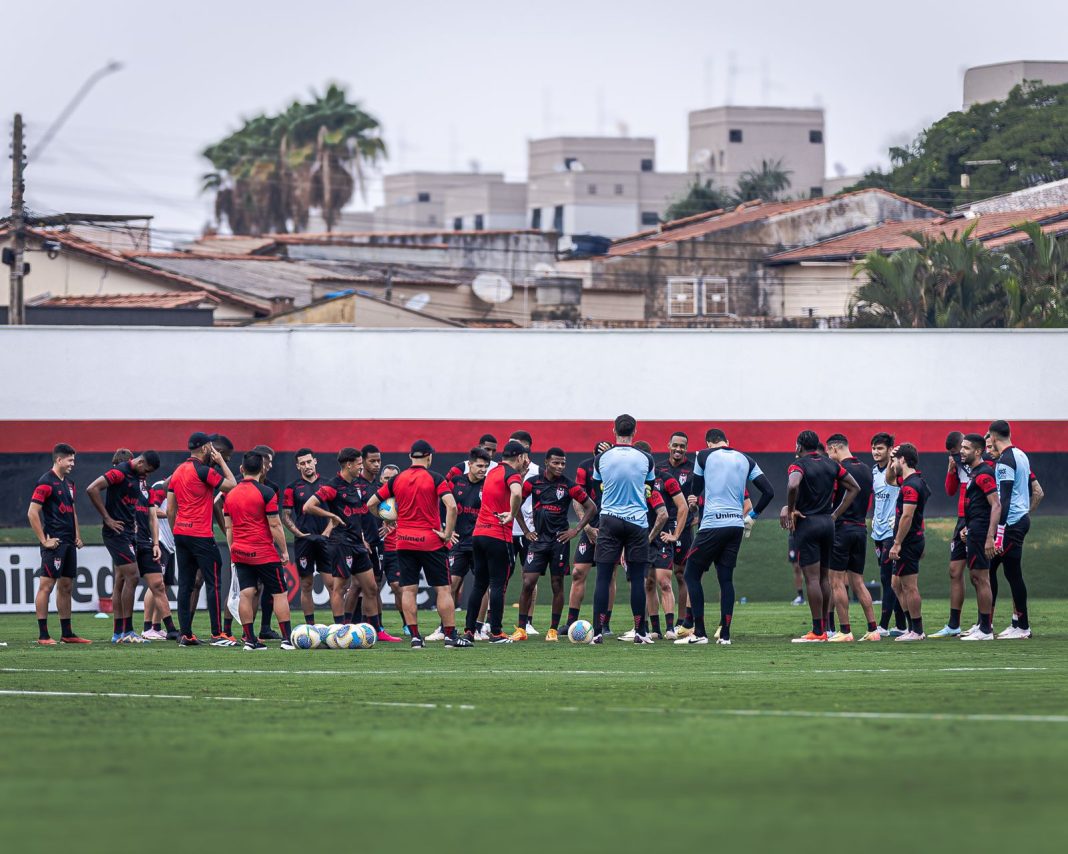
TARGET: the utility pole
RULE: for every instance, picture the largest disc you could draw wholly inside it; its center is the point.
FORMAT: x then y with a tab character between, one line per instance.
16	309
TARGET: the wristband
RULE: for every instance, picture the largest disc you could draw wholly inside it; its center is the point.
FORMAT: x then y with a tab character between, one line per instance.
999	537
752	515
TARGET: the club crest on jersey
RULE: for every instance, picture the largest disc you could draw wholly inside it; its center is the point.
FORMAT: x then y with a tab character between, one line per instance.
560	493
682	478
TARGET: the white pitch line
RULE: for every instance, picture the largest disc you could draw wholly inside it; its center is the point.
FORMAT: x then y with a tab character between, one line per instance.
906	716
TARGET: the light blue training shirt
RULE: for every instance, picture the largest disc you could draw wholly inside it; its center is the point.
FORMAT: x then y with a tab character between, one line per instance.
623	472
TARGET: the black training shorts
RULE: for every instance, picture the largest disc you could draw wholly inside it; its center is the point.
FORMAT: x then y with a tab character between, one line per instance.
957	548
313	554
271	575
850	548
60	562
552	556
717	546
432	564
618	538
814	536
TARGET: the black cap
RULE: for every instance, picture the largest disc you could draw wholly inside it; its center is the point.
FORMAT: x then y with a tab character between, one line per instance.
513	449
197	440
421	448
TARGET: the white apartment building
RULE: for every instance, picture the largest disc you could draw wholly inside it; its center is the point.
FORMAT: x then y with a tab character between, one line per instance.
415	201
600	185
994	82
495	204
726	141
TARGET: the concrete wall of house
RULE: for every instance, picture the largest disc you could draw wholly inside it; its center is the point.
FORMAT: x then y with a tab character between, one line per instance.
815	290
994	82
612	305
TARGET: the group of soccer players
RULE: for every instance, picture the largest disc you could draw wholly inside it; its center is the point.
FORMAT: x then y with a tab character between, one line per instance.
464	533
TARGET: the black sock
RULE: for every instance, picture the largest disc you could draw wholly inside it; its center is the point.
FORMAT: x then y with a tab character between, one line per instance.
347	617
556	621
688	621
413	630
884	619
829	622
984	624
64	626
146	626
42	629
699	628
523	620
640	626
908	621
917	625
284	628
954	618
656	623
157	626
845	628
871	625
338	619
800	594
248	631
169	623
117	627
669	620
817	626
572	615
376	622
228	626
725	629
309	619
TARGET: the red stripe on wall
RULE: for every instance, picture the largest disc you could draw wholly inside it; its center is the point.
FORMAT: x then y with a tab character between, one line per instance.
457	436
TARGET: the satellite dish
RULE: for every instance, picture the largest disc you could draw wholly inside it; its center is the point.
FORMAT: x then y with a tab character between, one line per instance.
418	302
492	288
702	158
541	270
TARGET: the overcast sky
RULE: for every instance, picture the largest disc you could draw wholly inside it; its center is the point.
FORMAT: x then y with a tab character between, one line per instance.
454	83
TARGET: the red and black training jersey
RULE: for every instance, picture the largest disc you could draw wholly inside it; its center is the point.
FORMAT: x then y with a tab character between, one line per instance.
370	522
818	478
654	498
976	506
295	496
345	500
249	504
417	492
668	488
496	498
148	500
957	480
683	477
584	478
857	512
120	497
468	502
55	494
551	500
193	484
914	490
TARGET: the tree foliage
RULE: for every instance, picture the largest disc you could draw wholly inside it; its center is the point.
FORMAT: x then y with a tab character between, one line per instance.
768	182
272	172
954	281
1027	132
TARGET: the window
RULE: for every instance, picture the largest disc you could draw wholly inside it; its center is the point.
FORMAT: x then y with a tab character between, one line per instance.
591	189
647	164
650	218
619	189
569	163
681	297
815	136
715	292
535	218
478	222
558	218
423	197
815	192
735	135
458	223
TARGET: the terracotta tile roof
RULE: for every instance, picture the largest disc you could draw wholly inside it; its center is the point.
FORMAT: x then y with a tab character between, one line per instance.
718	220
190	299
993	229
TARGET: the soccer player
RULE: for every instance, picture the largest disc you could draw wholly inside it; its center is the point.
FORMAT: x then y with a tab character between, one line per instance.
551	493
122	485
884	500
487	443
587	543
679	468
266	600
310	545
662	547
54	521
341	501
467	490
421	539
908	546
623	472
1013	471
519	542
257	543
502	499
231	606
957	477
372	535
389	548
189	513
721	475
851	546
814	482
158	607
982	512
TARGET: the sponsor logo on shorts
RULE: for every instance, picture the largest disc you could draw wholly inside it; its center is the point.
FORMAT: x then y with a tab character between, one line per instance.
582	548
303	563
348	561
57	563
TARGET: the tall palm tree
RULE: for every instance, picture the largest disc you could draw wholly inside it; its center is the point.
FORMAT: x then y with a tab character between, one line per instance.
768	182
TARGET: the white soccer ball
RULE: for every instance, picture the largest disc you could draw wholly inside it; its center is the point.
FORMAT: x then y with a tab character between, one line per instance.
323	631
366	634
333	636
581	631
305	637
388	510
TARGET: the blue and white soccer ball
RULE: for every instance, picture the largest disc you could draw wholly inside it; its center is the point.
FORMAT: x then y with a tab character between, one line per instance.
366	635
348	637
305	637
581	631
334	636
323	631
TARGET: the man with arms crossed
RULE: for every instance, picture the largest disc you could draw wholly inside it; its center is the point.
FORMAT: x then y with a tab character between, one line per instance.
310	544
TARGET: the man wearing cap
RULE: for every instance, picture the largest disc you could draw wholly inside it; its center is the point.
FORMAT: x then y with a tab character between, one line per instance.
421	539
190	498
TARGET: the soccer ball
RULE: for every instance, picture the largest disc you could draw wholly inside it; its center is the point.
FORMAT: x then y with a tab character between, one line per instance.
348	638
333	636
323	631
581	631
365	634
388	510
305	637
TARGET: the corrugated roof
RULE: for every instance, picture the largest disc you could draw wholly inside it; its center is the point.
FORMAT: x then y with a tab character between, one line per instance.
189	299
258	278
993	229
700	225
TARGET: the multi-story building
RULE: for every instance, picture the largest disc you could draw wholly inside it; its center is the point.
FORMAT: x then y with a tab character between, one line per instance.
994	82
495	204
726	141
415	201
597	185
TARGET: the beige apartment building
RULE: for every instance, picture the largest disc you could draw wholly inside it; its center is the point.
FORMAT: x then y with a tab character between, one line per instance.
415	201
994	82
726	141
